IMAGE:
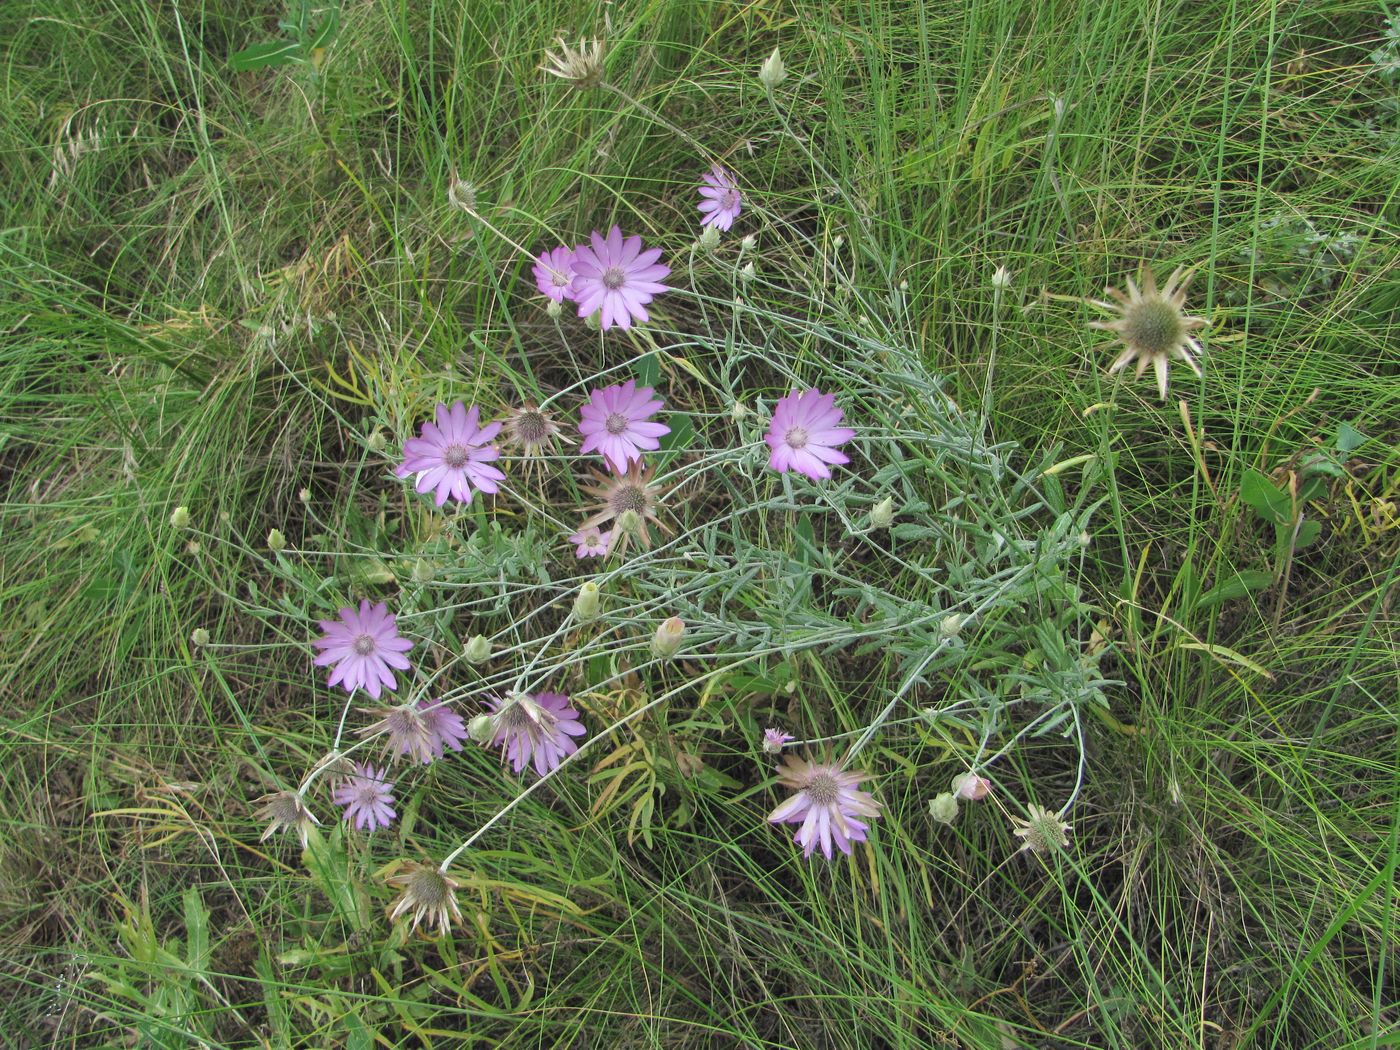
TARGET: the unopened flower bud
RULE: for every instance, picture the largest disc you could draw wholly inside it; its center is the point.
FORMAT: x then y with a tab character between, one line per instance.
773	741
839	241
478	649
593	323
951	624
480	729
376	440
586	602
199	636
667	640
944	808
738	411
180	517
708	240
304	495
276	542
749	243
1001	279
554	310
772	72
423	571
747	272
970	787
628	522
882	514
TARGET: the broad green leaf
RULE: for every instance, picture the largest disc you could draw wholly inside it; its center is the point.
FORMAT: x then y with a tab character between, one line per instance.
648	370
1308	532
1236	585
261	56
325	33
1349	439
1269	501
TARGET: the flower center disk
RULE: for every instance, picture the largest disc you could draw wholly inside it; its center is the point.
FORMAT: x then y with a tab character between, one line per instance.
629	497
614	277
455	456
796	437
1154	325
823	789
363	645
616	423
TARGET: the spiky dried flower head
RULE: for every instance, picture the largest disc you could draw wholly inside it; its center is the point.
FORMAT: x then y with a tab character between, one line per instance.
1042	831
427	896
1152	325
581	66
531	429
285	810
633	493
406	733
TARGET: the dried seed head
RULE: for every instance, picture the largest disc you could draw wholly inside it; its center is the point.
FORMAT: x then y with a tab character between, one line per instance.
286	810
581	66
427	896
1042	831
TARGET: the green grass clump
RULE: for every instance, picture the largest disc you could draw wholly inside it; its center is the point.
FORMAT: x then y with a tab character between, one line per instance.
237	284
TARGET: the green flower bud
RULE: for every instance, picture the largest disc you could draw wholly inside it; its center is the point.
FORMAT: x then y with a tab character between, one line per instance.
587	602
199	637
554	310
478	649
772	72
276	542
668	638
180	517
481	729
944	808
882	514
709	239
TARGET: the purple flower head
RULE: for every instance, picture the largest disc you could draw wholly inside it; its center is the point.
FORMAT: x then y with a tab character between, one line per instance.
443	725
592	542
803	434
773	741
554	273
616	276
452	456
368	798
827	805
535	729
721	200
614	423
363	646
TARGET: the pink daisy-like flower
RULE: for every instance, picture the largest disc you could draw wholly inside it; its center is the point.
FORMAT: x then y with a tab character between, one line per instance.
615	276
827	805
554	273
592	542
363	646
535	729
368	798
803	434
444	726
721	201
452	455
615	423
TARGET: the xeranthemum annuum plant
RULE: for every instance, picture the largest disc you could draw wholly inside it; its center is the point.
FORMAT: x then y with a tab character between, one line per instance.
765	535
